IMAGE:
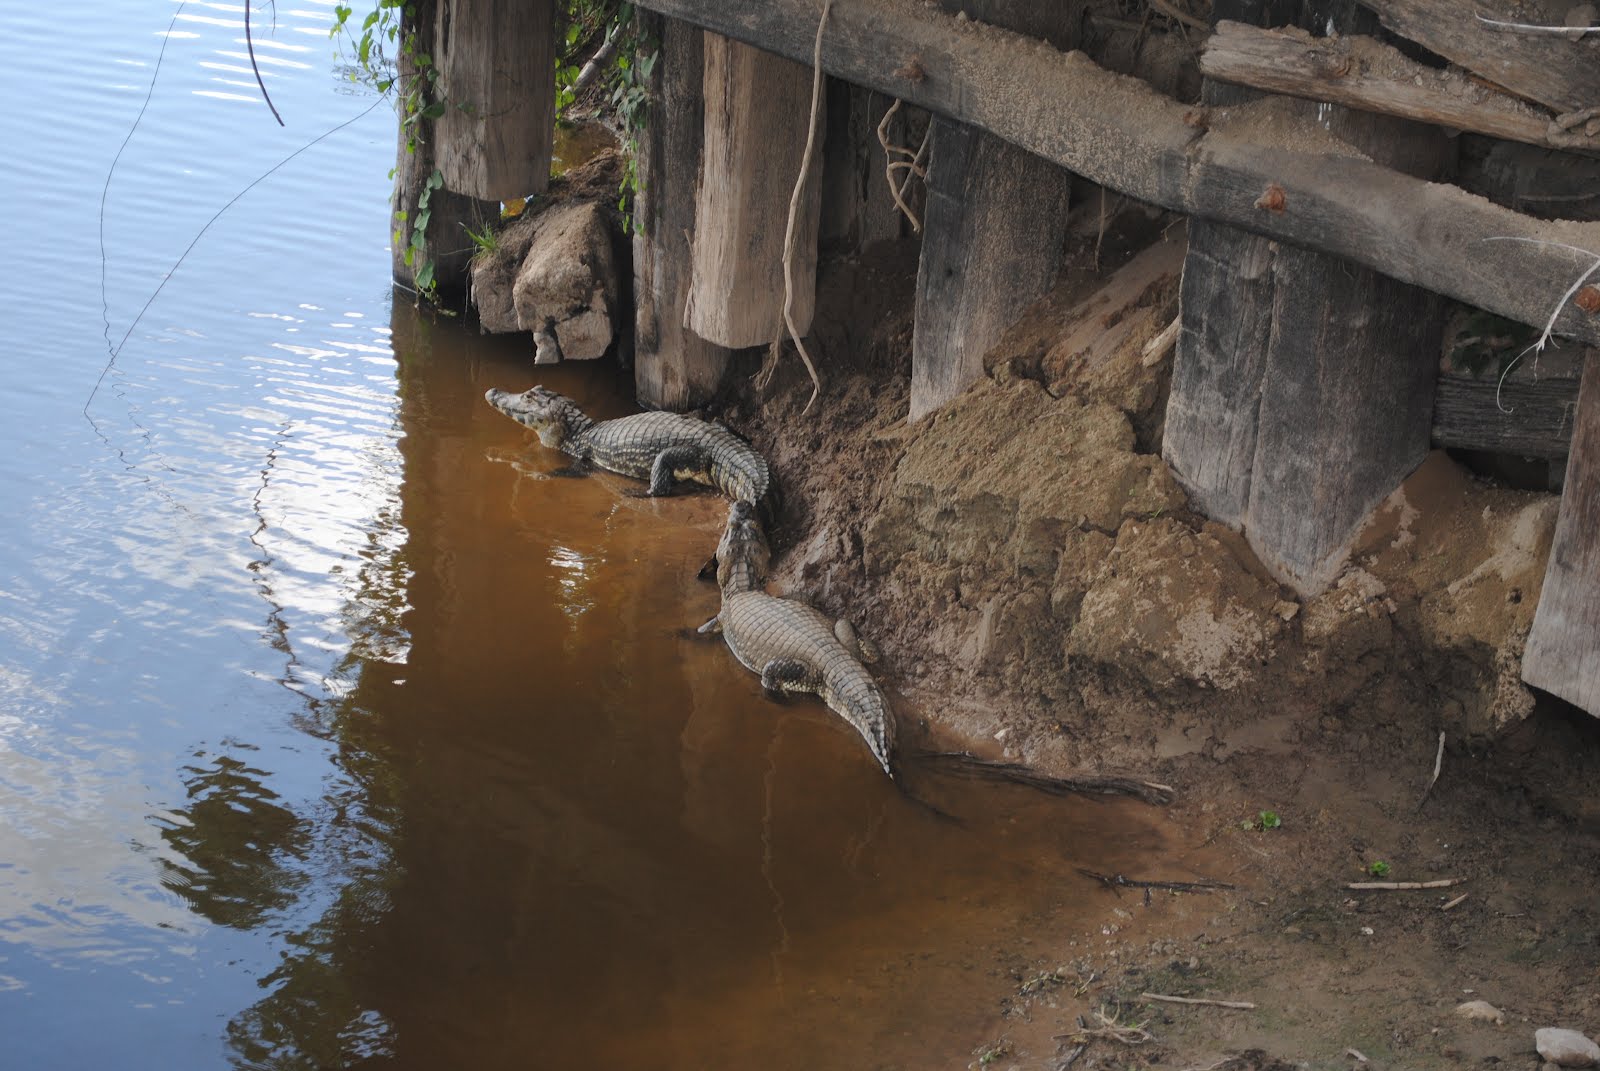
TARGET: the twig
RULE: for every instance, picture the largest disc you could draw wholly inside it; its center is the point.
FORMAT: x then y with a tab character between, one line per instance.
1384	886
1438	764
602	56
1157	348
1454	903
1112	881
1528	27
1110	1029
794	212
1072	1057
1172	11
1242	1005
1357	1055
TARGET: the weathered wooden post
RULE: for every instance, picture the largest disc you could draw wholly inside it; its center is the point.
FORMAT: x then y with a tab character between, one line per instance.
1302	390
1563	650
757	107
674	368
494	68
992	240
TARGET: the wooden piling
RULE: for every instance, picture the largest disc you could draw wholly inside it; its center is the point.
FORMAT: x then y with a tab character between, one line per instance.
996	222
991	244
674	368
445	244
757	107
1563	650
1302	390
496	78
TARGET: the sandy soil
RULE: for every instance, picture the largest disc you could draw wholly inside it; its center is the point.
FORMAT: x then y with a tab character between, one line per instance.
1041	591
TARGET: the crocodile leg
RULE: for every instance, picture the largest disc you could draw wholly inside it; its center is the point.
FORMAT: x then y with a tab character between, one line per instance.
783	675
712	627
670	460
859	646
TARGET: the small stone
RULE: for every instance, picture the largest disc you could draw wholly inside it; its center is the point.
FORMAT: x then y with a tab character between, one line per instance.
1480	1011
1566	1048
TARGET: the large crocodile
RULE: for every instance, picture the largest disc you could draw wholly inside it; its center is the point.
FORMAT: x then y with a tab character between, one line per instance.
795	647
659	447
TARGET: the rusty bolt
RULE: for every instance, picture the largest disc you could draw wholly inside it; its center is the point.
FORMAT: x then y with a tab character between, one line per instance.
1274	199
1588	299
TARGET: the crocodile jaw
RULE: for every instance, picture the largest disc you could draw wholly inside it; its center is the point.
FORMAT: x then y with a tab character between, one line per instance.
538	409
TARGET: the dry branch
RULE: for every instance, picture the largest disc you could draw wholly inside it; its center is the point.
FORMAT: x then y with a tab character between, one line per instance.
1390	886
1242	1005
1114	881
1119	132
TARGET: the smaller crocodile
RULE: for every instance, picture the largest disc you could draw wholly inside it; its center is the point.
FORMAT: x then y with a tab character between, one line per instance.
795	647
662	448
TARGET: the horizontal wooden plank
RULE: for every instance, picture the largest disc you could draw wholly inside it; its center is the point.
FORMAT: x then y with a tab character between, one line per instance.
1361	72
1557	72
1530	417
1232	166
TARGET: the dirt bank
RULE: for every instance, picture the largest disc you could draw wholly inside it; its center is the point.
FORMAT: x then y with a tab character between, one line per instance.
1041	591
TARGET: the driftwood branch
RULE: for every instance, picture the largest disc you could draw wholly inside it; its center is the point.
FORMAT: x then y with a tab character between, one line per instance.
1115	881
1391	886
1243	1005
1119	132
1360	72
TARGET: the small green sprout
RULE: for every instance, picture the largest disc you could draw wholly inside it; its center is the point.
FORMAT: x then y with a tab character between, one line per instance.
1378	869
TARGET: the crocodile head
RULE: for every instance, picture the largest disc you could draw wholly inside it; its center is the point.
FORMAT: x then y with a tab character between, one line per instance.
743	555
554	416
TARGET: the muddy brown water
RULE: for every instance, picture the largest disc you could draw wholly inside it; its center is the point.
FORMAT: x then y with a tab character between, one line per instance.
335	729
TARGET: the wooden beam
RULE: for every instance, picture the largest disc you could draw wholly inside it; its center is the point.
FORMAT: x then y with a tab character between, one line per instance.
673	368
1563	650
1548	68
1524	416
757	107
496	64
1119	132
1361	72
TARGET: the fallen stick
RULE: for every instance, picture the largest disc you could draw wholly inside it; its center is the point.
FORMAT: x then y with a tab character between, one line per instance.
1359	1056
1157	348
1438	764
1442	883
1454	903
1112	881
1243	1005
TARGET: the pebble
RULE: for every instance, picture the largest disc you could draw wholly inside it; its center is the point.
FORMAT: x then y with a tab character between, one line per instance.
1480	1011
1566	1048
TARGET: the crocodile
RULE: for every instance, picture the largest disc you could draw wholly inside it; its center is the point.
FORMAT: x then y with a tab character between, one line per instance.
793	646
797	648
662	448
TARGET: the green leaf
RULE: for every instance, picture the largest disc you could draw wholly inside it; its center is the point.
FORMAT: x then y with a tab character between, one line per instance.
371	19
433	111
423	218
435	180
424	276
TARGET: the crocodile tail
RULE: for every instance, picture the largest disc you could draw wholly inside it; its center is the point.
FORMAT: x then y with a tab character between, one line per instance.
969	765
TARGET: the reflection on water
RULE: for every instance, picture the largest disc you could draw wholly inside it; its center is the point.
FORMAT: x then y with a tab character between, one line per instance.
334	727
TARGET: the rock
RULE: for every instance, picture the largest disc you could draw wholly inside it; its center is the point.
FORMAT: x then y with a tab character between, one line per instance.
1566	1048
568	280
1480	1011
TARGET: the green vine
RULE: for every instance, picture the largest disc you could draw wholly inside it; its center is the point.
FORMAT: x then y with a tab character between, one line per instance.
387	27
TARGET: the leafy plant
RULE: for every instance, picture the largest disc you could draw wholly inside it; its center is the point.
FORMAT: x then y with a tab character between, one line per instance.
485	241
1263	821
1378	869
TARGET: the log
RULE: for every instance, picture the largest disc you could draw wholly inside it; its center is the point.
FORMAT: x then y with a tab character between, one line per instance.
1561	74
496	66
1120	133
1563	650
991	244
673	368
757	107
1361	72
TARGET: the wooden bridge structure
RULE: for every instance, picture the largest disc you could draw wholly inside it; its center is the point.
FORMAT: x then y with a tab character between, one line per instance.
1323	235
